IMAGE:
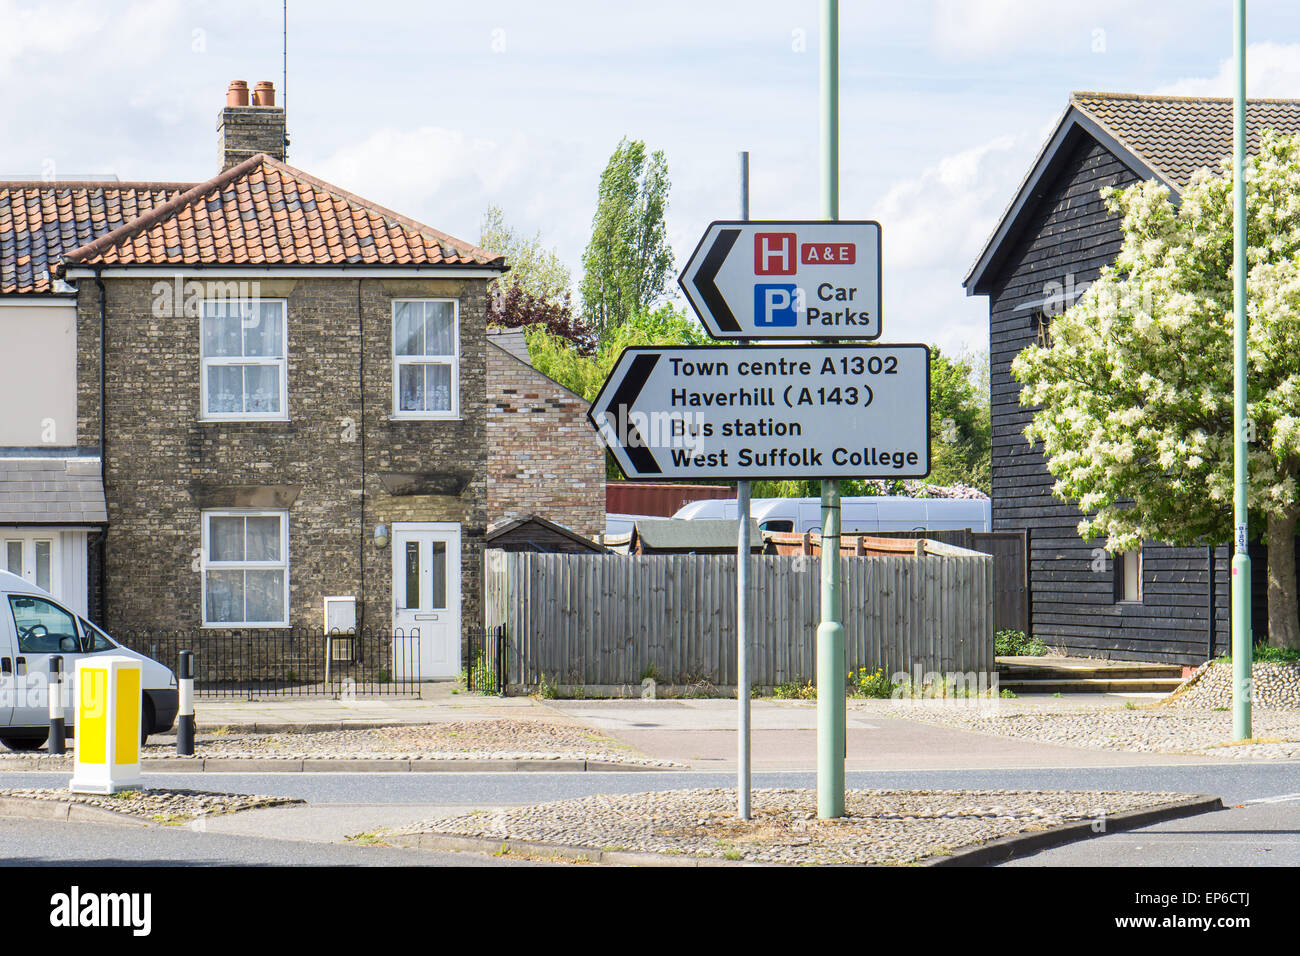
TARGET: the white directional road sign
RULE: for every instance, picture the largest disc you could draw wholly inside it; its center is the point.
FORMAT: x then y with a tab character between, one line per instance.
789	411
787	280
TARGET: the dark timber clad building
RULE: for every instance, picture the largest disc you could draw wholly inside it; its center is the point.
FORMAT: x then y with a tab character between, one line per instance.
1052	241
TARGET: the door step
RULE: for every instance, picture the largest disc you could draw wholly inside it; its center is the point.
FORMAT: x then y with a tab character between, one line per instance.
1090	685
1063	675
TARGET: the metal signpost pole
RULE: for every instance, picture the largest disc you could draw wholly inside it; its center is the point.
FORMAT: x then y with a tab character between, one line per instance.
830	634
1242	650
742	595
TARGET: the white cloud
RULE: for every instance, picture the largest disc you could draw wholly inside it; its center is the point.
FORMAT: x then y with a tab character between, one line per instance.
948	210
448	177
1272	71
981	28
934	225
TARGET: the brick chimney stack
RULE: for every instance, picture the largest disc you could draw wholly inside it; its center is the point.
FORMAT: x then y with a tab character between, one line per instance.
245	129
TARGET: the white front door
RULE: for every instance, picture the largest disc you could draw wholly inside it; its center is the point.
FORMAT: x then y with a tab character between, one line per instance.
32	556
426	598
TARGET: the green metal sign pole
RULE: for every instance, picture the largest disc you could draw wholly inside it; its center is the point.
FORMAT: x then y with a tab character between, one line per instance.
831	681
1242	649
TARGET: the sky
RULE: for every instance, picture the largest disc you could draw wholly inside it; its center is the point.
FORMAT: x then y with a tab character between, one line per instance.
438	110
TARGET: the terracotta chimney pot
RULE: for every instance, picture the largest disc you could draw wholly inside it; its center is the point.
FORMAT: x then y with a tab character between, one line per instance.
237	94
264	93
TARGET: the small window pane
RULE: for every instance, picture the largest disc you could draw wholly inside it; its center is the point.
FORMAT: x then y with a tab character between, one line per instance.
437	388
412	575
408	331
1132	576
262	388
226	538
410	387
43	565
262	334
225	597
221	335
225	389
264	596
263	538
440	329
14	557
438	570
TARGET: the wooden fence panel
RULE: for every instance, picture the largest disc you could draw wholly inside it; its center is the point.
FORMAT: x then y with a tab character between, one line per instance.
597	619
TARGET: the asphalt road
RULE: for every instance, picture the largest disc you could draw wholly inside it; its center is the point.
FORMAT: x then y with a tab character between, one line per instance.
1264	831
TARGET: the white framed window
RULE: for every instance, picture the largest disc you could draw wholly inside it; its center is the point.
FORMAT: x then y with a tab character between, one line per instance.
245	564
426	358
244	344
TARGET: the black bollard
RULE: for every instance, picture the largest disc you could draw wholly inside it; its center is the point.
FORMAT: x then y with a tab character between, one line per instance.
185	719
58	735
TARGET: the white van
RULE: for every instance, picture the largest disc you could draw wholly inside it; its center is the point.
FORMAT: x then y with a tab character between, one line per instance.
860	515
33	627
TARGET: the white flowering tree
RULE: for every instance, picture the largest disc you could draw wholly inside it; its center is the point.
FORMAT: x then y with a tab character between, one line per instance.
1134	389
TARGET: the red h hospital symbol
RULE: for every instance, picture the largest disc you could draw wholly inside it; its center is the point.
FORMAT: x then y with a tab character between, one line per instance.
774	254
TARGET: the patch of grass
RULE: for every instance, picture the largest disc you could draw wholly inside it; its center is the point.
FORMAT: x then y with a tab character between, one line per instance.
171	819
1251	740
651	672
732	855
1008	693
365	839
1013	643
1265	653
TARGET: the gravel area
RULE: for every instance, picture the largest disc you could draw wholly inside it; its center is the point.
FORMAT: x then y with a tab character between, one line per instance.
1274	685
161	806
492	739
880	826
1148	728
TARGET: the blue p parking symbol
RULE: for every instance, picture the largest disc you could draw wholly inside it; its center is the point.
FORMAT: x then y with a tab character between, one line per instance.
774	306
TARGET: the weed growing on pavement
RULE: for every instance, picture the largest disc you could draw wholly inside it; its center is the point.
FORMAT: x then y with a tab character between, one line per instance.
483	678
873	684
795	690
1008	693
546	688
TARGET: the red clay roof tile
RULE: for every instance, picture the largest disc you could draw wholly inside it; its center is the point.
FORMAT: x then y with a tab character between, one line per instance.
266	212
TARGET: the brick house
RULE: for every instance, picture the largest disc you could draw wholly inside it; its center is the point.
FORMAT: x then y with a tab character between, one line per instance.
1160	602
286	386
544	458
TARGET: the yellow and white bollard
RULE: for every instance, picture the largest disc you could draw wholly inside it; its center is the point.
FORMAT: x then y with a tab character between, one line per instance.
106	750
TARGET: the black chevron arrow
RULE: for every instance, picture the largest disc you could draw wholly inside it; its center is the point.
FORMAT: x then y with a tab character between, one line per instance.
704	284
625	396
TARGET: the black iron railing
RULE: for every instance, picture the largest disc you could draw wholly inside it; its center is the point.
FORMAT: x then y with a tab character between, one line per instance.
254	663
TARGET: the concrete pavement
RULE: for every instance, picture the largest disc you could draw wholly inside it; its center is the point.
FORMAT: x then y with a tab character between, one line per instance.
702	735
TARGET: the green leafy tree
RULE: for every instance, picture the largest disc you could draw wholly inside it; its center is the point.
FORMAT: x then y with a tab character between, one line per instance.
1134	390
556	357
959	424
628	262
536	270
